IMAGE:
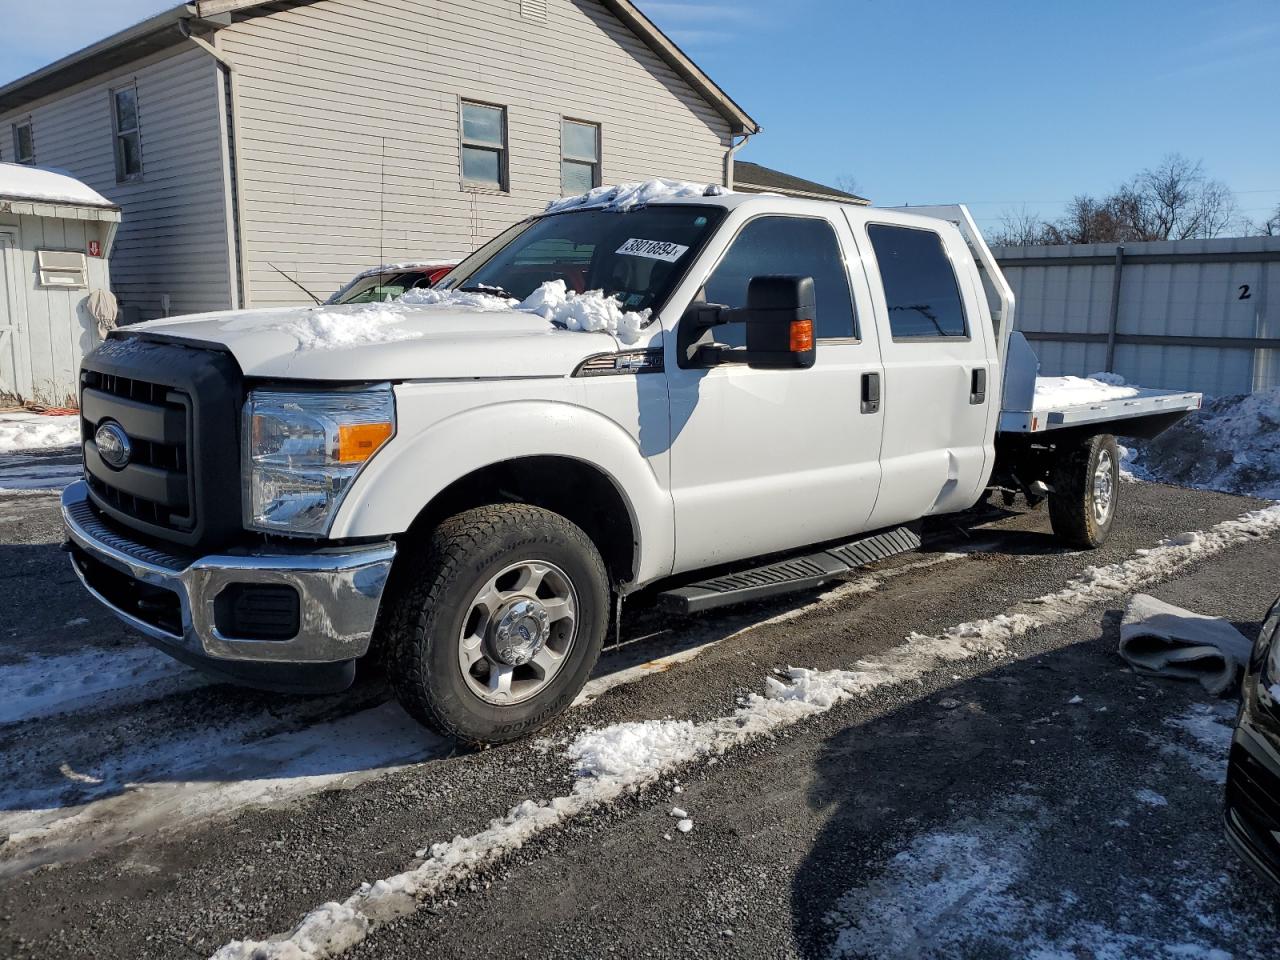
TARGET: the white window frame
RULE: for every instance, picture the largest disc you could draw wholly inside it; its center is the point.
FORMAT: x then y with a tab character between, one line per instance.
31	136
503	151
118	135
597	163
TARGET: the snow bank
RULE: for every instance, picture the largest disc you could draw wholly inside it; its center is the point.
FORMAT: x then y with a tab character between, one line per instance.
31	431
21	182
1060	391
1231	445
627	196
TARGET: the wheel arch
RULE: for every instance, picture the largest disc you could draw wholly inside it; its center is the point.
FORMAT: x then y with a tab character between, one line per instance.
562	457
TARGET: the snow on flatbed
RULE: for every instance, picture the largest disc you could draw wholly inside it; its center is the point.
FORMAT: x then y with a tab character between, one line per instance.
1069	401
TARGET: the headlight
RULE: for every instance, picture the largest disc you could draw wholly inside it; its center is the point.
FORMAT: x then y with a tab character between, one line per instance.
302	452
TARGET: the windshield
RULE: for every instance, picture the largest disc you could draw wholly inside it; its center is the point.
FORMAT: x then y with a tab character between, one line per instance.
636	256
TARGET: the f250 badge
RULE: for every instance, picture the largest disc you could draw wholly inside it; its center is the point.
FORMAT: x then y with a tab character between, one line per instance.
113	444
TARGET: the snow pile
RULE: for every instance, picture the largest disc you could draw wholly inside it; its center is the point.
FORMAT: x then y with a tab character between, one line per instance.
626	757
590	312
21	182
627	196
1231	445
1062	391
352	327
31	431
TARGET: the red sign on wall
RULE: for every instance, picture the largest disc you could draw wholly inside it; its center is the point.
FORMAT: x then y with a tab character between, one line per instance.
95	248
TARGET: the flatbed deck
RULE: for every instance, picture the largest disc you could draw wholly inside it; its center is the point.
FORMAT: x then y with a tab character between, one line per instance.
1145	403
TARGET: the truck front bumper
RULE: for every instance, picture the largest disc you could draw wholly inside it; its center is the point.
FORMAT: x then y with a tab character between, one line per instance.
277	619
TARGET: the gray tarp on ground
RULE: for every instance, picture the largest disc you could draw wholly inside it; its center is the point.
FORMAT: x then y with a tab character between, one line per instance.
1161	639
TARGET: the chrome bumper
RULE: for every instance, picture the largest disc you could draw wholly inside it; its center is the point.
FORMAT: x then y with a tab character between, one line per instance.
339	590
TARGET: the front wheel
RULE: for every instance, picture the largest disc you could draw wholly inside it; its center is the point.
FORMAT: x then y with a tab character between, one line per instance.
1086	488
499	619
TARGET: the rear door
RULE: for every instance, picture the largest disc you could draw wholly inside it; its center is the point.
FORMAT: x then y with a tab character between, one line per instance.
939	368
767	460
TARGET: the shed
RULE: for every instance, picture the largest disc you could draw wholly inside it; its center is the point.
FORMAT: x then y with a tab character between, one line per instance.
55	237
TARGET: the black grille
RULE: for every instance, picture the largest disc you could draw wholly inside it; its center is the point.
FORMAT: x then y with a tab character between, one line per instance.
1253	807
154	605
179	406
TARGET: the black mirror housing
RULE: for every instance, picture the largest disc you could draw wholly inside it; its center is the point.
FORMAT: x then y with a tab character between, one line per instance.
780	323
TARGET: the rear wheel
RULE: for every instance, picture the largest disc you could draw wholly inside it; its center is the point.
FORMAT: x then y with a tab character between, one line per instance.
1086	487
499	619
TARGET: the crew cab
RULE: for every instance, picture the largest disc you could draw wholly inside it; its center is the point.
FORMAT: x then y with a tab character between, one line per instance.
719	396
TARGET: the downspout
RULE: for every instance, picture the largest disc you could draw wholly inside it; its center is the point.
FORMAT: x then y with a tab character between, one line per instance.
240	286
728	157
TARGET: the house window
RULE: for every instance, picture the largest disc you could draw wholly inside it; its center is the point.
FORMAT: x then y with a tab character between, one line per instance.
920	287
24	144
579	156
128	134
484	145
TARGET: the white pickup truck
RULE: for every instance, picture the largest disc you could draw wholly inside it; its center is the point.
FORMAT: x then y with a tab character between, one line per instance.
716	396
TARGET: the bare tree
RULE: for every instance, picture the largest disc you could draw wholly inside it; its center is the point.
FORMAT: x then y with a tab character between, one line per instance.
1088	220
1269	227
848	183
1174	201
1020	228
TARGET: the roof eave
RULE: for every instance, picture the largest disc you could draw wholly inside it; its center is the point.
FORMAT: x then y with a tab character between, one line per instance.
142	39
740	121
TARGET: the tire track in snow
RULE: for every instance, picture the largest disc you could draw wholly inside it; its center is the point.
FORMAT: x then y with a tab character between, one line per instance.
189	750
628	756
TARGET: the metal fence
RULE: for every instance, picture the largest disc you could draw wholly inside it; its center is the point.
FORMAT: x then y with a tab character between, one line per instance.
1183	315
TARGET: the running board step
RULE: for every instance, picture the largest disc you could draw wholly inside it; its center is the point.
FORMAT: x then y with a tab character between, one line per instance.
793	573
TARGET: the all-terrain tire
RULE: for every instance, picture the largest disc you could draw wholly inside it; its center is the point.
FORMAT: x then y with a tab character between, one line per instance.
434	584
1086	491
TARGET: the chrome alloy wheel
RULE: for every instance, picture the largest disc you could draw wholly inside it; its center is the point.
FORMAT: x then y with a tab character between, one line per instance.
518	631
1103	488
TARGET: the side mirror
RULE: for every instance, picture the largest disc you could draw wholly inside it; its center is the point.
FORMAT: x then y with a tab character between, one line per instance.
779	320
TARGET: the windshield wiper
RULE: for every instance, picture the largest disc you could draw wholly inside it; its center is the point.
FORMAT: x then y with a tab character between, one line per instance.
486	288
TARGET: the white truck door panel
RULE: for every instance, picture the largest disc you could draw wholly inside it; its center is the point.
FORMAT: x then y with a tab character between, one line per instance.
936	350
767	460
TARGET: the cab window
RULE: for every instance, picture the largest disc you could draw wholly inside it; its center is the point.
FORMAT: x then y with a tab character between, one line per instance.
788	246
920	288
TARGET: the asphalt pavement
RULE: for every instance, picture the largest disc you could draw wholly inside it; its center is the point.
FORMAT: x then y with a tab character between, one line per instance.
1043	802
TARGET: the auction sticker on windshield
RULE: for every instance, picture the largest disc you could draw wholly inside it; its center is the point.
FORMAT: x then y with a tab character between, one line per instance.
653	250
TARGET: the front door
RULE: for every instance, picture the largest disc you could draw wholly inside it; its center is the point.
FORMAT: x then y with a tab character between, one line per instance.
768	460
940	376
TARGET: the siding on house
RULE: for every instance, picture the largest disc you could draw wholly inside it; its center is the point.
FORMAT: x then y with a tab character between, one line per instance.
174	236
348	124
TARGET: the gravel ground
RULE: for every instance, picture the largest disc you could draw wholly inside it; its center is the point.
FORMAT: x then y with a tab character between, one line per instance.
980	813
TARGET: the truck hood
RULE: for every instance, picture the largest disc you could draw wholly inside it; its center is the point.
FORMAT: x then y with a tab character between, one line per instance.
391	341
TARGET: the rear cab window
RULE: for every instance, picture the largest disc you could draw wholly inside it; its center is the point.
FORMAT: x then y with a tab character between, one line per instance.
921	291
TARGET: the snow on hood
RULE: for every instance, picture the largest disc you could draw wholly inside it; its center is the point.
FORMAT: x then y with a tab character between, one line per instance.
21	182
626	196
425	334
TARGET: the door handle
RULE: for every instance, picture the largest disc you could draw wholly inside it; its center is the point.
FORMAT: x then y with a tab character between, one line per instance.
978	385
871	393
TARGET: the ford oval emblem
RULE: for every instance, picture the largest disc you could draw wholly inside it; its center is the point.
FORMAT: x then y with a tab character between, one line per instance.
113	444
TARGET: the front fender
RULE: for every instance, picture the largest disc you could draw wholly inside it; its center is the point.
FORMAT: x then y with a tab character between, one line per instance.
425	457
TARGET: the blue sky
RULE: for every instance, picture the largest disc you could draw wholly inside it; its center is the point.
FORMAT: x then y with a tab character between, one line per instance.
1002	105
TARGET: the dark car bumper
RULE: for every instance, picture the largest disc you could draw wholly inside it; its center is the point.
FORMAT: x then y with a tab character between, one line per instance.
1253	803
1253	771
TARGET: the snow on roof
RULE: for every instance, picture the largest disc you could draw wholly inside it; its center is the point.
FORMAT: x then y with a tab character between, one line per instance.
21	182
626	196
